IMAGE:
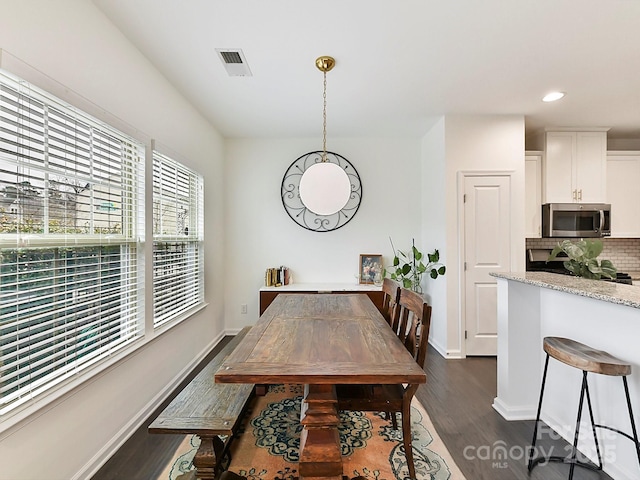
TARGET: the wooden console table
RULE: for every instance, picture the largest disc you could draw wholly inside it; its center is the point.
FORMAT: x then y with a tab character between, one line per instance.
268	294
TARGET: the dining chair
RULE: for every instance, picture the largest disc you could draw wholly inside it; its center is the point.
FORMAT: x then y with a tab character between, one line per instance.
390	299
415	315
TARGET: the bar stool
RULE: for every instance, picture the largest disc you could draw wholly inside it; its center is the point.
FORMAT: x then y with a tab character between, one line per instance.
587	359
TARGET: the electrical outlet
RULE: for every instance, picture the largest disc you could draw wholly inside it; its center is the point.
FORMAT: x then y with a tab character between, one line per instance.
243	308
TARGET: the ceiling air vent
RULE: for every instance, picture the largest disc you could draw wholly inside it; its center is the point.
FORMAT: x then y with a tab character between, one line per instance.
234	62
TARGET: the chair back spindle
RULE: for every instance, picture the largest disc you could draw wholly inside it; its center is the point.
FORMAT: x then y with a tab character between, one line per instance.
415	321
390	299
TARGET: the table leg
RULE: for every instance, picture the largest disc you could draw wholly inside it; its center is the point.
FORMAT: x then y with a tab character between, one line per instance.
261	389
208	456
320	455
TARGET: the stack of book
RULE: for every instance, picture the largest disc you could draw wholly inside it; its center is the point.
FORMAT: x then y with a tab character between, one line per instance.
276	277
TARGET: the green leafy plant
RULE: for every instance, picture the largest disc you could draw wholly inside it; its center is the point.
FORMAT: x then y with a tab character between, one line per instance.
408	267
583	259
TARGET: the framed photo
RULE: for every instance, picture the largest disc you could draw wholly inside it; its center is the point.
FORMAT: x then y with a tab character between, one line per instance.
370	266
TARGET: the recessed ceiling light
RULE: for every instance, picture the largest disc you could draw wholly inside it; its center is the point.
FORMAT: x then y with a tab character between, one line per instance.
553	96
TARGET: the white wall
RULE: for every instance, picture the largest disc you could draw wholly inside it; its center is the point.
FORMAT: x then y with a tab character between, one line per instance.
74	44
466	143
434	228
260	234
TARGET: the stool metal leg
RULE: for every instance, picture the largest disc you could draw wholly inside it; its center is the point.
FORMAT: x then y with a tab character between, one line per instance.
593	423
633	423
577	431
535	427
573	460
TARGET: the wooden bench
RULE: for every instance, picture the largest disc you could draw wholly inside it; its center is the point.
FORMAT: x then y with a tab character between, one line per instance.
207	409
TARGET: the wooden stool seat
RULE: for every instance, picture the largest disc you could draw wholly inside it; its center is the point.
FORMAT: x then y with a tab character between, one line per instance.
579	355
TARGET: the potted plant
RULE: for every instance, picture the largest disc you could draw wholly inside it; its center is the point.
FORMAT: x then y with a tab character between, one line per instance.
408	267
583	259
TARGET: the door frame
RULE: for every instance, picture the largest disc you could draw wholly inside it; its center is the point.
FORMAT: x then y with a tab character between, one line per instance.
461	176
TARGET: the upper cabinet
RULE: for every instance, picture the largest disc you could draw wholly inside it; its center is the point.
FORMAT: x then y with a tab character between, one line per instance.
623	178
532	194
575	167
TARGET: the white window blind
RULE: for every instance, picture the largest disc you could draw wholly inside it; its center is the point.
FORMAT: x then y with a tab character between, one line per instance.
178	228
71	217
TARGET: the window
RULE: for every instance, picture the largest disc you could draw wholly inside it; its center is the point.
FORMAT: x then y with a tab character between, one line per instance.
71	220
178	229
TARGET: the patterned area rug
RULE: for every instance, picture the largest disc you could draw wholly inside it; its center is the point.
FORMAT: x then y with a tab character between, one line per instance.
268	443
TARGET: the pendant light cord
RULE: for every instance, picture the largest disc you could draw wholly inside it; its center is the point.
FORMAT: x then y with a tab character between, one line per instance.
324	120
324	64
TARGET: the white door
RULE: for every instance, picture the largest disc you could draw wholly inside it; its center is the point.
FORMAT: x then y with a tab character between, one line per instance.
487	248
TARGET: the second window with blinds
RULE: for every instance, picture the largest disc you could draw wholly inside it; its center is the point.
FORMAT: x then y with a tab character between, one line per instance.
178	228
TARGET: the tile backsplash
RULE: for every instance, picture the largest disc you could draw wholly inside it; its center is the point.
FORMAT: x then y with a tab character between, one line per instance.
624	253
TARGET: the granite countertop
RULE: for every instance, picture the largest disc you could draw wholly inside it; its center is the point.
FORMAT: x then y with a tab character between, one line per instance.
620	293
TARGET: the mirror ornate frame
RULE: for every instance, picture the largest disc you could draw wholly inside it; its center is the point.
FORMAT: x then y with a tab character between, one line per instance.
302	214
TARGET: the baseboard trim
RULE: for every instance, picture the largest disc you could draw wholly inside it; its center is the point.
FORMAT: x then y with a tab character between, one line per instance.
233	331
523	412
453	354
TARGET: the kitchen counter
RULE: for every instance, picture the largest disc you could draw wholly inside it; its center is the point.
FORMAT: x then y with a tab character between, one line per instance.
623	294
603	315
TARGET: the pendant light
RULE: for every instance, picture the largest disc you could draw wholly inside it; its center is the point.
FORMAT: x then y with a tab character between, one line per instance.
325	187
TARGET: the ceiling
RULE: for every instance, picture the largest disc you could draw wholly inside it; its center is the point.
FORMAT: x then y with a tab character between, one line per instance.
400	64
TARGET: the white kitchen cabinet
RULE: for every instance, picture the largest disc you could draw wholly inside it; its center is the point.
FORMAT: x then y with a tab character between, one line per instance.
623	178
533	194
575	167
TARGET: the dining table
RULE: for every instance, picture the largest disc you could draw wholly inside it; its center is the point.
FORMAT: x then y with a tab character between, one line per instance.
321	340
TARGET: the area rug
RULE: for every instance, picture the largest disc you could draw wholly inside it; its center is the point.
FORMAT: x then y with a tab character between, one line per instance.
267	445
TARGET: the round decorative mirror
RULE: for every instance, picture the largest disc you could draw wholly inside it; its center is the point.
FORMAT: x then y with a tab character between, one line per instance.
321	196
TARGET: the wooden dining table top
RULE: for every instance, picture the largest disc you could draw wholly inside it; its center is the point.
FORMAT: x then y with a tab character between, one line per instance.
320	339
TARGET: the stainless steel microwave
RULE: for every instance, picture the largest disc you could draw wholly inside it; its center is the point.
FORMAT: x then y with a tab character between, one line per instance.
576	220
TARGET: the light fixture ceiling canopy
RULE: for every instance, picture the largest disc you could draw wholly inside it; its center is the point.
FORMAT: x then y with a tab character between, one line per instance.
325	64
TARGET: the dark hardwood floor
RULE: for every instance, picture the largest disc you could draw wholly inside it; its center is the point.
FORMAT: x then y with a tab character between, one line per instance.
458	396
